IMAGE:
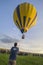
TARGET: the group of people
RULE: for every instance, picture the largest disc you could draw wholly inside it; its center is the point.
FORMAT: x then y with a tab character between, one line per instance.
13	53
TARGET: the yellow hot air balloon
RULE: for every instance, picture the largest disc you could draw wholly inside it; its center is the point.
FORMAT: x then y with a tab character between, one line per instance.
25	16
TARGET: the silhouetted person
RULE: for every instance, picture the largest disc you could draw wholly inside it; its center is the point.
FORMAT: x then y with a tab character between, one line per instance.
13	54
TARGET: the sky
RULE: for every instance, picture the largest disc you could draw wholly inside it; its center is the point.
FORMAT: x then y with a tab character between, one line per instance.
8	27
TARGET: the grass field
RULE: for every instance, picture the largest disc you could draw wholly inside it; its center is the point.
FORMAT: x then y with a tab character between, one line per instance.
22	60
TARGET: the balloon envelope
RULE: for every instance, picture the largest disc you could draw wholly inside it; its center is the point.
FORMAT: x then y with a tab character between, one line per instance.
25	16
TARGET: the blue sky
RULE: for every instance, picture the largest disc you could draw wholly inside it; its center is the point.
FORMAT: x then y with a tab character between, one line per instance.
7	25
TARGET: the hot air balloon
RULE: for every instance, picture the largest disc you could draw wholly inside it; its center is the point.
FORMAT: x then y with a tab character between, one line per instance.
25	16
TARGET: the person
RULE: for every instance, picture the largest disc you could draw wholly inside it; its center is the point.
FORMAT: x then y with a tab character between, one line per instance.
13	54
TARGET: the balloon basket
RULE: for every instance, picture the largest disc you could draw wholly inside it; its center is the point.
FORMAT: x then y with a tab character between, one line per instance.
23	36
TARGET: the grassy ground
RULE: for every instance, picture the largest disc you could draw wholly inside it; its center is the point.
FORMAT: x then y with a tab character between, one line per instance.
22	60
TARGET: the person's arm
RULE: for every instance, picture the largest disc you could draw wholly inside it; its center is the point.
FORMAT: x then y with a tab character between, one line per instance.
11	50
17	50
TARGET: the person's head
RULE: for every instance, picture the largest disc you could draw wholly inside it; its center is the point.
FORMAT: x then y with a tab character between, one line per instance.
15	44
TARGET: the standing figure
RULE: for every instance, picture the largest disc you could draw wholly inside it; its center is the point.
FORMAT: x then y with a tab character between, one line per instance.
13	54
